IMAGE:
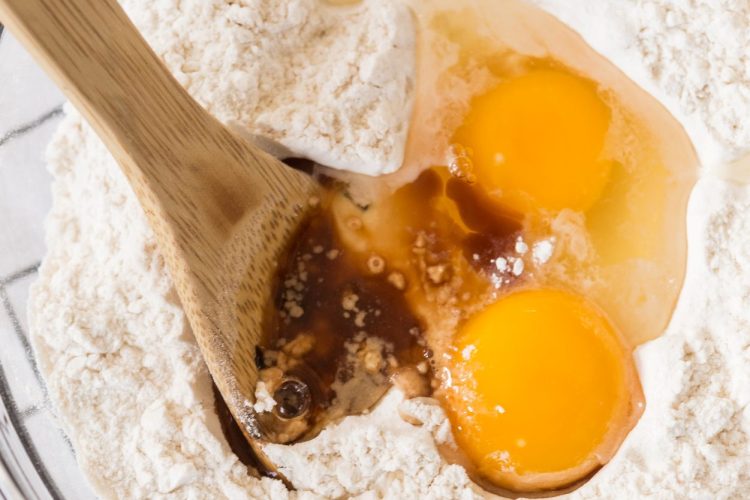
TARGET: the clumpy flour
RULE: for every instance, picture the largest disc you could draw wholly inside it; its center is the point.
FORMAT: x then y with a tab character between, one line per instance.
123	369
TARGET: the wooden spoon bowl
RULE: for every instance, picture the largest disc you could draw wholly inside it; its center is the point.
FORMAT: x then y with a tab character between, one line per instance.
221	209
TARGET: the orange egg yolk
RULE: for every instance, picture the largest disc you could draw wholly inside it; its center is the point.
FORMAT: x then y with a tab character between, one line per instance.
536	141
542	391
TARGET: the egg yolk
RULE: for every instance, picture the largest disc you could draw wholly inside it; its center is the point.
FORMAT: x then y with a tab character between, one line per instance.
535	141
542	391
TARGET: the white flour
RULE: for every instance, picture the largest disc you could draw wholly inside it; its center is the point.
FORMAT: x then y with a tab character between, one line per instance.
380	455
325	83
123	368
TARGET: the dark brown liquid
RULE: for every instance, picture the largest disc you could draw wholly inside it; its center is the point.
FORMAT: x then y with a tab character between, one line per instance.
438	234
328	280
492	227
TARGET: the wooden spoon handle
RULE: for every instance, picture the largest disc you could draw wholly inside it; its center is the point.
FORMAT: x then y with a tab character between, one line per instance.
221	209
164	141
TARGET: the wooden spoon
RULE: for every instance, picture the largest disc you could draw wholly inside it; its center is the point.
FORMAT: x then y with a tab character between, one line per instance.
222	210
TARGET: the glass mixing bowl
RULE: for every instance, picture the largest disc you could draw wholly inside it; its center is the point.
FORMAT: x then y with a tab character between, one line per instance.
36	457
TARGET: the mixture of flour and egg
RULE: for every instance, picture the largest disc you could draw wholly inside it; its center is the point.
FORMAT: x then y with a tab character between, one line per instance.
126	376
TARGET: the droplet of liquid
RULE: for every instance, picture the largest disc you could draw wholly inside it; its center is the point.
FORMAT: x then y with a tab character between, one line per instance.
460	164
292	399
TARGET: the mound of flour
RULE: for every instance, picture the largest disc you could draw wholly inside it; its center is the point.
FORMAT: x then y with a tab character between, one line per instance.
124	371
332	84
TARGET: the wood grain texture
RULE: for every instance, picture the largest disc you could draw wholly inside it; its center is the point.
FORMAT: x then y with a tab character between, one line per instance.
221	209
